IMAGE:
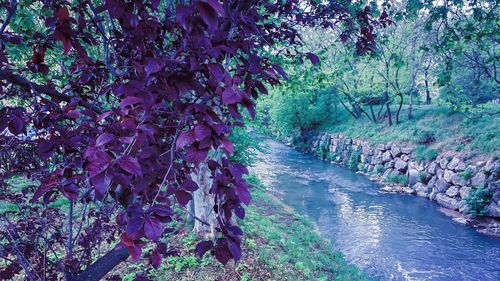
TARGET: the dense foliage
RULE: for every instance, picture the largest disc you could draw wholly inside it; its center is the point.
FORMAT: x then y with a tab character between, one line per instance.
122	100
435	52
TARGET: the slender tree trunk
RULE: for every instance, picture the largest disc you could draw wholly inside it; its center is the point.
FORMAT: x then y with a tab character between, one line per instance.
203	202
410	106
102	266
373	114
427	92
399	107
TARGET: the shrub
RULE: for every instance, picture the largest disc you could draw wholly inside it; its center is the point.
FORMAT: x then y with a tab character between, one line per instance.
353	161
422	176
379	168
397	179
477	199
467	174
424	137
425	153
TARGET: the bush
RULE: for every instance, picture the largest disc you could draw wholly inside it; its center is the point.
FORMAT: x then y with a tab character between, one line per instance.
422	176
397	179
379	168
424	137
353	161
477	199
467	174
423	152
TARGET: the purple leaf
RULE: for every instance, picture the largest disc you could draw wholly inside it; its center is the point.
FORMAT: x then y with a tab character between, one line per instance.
153	65
222	254
73	114
243	193
217	6
184	138
201	132
228	145
104	138
130	165
43	188
229	96
195	155
235	250
313	58
281	71
153	228
99	164
189	185
216	70
183	197
156	259
130	100
134	226
208	14
203	247
70	191
101	184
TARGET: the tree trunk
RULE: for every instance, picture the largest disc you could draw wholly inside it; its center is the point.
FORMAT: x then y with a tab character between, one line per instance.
427	92
203	202
102	266
410	106
399	107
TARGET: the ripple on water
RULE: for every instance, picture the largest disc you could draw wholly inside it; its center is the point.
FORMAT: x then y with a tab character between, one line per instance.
390	236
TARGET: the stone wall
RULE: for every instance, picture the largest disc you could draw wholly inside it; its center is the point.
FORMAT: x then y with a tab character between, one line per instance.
447	179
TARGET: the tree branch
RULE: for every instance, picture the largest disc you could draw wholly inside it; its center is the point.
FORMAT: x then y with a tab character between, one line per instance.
102	266
25	83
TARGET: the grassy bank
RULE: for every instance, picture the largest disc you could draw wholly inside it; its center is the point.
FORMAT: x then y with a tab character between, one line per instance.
278	245
436	126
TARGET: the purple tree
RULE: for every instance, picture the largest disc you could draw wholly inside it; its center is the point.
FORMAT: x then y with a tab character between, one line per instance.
151	89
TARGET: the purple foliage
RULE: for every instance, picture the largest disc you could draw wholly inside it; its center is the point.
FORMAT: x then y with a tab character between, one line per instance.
126	132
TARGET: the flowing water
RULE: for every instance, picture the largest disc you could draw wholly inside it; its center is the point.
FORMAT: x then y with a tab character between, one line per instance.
389	236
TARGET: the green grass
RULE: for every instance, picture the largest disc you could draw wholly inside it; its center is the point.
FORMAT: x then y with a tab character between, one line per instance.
434	125
16	184
278	244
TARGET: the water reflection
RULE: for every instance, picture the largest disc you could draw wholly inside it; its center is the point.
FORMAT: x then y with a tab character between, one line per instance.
392	237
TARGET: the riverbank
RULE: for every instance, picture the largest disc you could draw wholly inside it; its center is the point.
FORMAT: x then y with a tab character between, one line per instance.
278	244
467	187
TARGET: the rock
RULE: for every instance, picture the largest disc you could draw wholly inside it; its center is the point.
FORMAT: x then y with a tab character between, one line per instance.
412	177
489	166
389	165
462	207
452	191
453	163
376	159
448	174
401	165
447	202
496	197
464	191
440	172
443	163
442	185
388	146
460	167
421	189
493	210
395	151
406	150
380	147
386	156
478	180
387	173
370	168
432	169
405	157
457	179
395	173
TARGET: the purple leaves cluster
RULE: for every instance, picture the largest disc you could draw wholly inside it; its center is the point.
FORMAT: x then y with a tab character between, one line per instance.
125	134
